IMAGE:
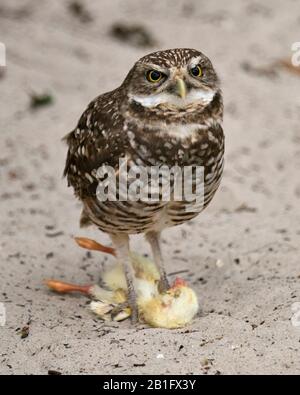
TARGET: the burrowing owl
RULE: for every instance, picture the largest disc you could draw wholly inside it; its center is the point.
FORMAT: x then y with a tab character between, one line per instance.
168	111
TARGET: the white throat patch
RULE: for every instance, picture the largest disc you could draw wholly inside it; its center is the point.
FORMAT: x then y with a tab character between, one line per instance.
201	96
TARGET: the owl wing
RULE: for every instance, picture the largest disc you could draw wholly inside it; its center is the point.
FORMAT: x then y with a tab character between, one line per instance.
97	140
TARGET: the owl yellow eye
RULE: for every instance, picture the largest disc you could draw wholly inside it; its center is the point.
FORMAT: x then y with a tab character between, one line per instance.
196	71
154	76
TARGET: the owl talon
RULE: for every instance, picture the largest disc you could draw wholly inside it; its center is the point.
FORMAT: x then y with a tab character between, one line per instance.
163	285
120	312
123	311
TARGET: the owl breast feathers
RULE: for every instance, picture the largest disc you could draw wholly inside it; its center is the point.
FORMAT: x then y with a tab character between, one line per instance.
167	112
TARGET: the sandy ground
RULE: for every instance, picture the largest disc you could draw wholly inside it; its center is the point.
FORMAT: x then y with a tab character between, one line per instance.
253	225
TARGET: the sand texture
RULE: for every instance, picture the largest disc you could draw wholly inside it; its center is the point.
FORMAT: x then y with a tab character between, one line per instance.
241	255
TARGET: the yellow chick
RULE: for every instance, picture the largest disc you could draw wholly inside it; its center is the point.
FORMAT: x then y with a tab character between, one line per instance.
172	309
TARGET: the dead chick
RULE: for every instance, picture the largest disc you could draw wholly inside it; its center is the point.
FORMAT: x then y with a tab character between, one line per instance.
173	308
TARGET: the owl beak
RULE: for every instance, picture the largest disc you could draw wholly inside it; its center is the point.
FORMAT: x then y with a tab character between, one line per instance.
181	88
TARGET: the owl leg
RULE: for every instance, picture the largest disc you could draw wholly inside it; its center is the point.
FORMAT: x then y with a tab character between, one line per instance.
154	240
121	243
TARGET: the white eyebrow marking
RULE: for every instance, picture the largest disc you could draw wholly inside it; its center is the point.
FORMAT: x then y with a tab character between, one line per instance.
195	61
154	66
149	101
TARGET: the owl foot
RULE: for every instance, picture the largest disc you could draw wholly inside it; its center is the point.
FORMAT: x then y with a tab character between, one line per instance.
163	285
120	312
111	312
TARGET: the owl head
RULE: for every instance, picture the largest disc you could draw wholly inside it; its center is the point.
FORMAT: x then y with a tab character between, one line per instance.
176	77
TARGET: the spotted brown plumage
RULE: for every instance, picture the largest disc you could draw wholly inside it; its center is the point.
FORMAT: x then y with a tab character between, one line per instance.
174	121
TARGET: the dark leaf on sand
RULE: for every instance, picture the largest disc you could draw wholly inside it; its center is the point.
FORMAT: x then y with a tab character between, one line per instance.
40	100
54	373
136	35
260	71
80	12
24	332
